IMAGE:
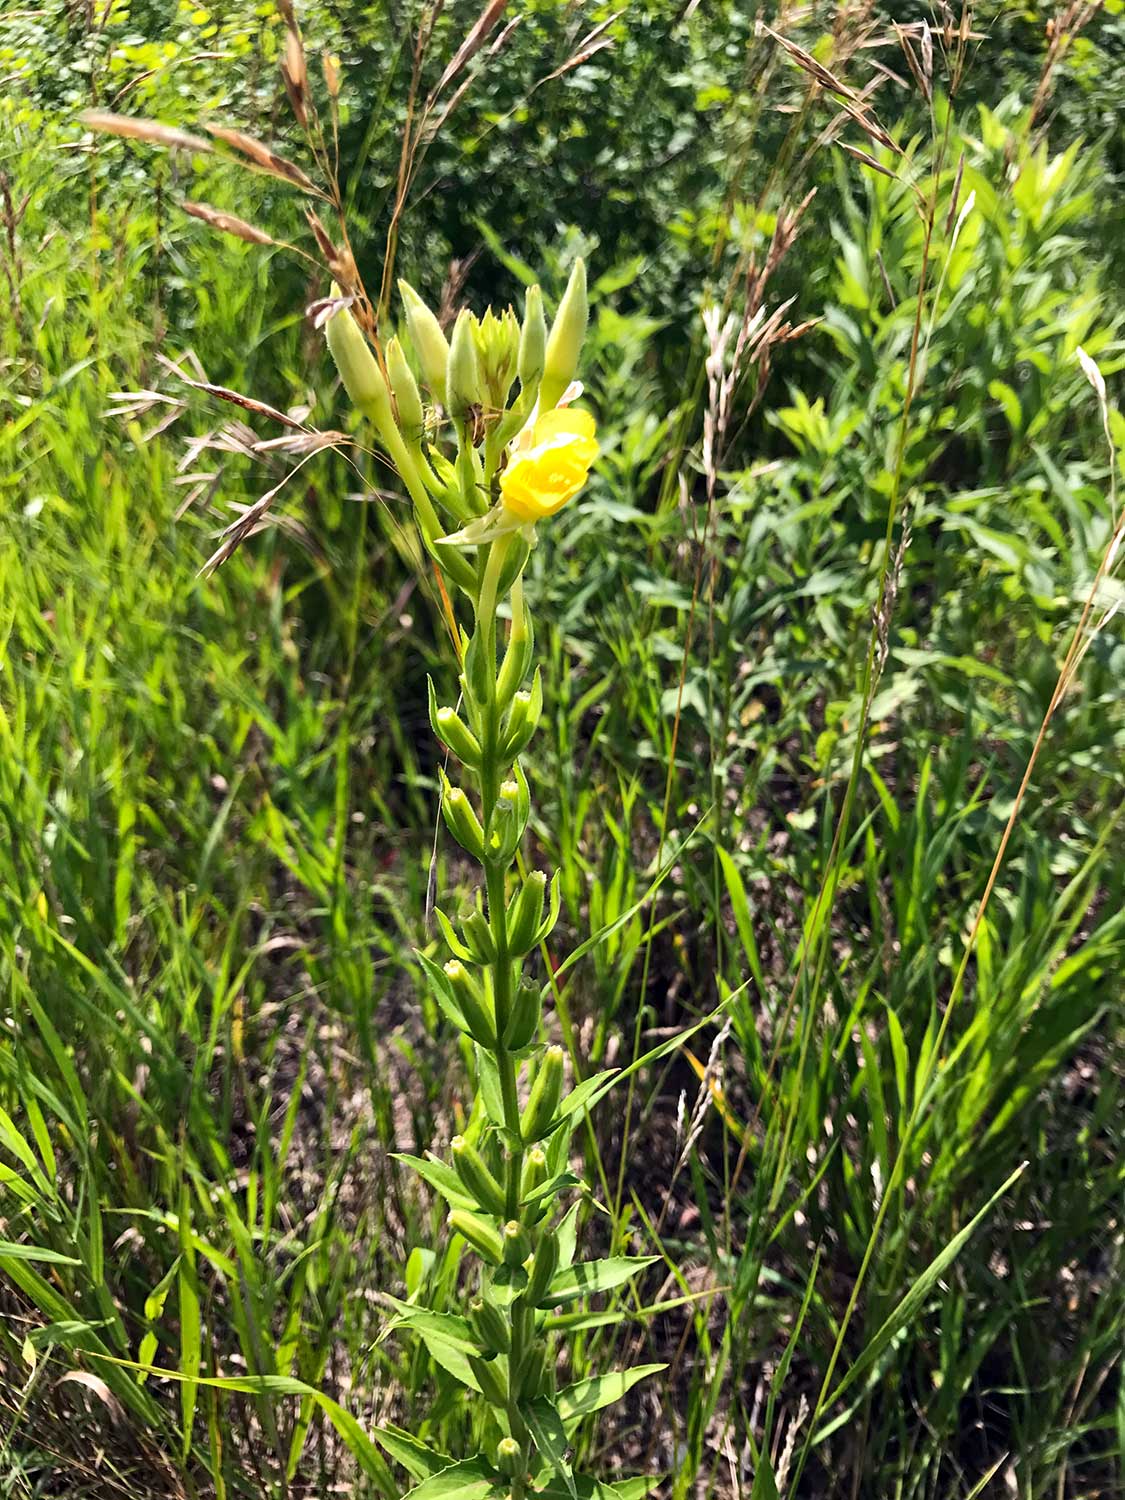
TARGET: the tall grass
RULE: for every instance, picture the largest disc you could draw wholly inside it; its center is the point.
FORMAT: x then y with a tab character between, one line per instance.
899	1258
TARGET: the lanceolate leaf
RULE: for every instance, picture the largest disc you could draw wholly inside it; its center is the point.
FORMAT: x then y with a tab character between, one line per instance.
420	1461
579	1400
471	1479
596	1276
546	1428
439	1176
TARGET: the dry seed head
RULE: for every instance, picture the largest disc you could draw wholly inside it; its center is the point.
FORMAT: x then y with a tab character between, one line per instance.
152	131
227	223
330	64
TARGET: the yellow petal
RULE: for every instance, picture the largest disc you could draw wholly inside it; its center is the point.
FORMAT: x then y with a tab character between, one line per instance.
564	421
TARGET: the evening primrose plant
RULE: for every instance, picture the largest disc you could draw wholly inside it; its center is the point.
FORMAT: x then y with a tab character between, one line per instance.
517	451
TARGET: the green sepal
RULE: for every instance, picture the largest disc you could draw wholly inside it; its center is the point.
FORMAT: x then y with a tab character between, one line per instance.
453	942
477	933
523	1022
493	1386
544	1267
517	659
474	1002
491	1328
516	1241
515	560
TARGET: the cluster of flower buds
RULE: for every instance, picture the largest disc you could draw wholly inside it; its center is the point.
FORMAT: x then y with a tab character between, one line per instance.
519	452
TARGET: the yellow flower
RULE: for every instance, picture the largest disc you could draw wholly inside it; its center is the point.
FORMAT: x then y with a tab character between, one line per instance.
550	464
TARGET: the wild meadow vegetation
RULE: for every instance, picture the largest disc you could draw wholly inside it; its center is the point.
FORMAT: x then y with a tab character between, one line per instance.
828	764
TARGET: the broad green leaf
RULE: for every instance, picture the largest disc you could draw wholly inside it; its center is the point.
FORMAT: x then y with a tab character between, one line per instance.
439	1176
420	1462
581	1399
592	1276
471	1479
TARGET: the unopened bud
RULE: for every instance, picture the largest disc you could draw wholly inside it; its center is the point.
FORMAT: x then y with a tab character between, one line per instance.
462	382
479	1233
461	820
564	345
543	1100
533	339
526	914
474	1173
523	1020
545	1263
509	1457
359	369
430	344
411	418
474	1007
516	1242
491	1327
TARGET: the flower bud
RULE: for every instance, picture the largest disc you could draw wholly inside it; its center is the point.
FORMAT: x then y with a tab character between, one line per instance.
543	1100
404	388
359	369
532	1374
533	339
497	342
452	730
564	345
534	1172
509	1457
461	820
430	344
479	1233
462	381
525	914
523	718
509	818
477	932
545	1263
491	1327
474	1006
516	1242
489	1380
523	1019
474	1173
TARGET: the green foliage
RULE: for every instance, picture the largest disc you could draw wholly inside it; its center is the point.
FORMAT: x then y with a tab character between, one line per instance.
228	1035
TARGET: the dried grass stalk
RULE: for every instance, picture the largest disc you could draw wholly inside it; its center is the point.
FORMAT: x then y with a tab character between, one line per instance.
481	30
152	131
228	223
264	158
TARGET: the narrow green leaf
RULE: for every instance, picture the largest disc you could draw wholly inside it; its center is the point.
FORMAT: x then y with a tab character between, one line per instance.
592	1276
912	1302
546	1428
579	1400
